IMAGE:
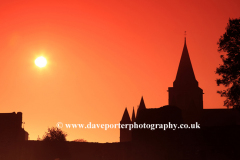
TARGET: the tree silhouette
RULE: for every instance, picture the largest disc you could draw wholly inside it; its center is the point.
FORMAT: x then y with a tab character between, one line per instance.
54	134
230	70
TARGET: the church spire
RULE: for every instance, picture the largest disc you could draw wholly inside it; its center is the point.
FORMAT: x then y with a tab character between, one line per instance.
125	118
185	93
185	75
141	106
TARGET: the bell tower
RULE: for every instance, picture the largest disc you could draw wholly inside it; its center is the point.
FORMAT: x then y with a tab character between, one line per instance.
185	93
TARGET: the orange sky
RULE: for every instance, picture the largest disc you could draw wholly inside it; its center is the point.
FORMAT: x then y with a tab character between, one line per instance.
102	57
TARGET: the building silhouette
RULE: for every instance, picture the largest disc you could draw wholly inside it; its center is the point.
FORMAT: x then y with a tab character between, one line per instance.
218	137
185	93
185	106
11	127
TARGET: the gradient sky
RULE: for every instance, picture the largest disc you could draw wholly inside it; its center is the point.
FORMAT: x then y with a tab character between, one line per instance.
103	55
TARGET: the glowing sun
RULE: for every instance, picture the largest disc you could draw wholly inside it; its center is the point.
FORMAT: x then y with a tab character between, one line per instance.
41	62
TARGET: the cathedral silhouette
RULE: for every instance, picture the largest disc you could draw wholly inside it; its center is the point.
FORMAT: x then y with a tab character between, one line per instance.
185	106
217	137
